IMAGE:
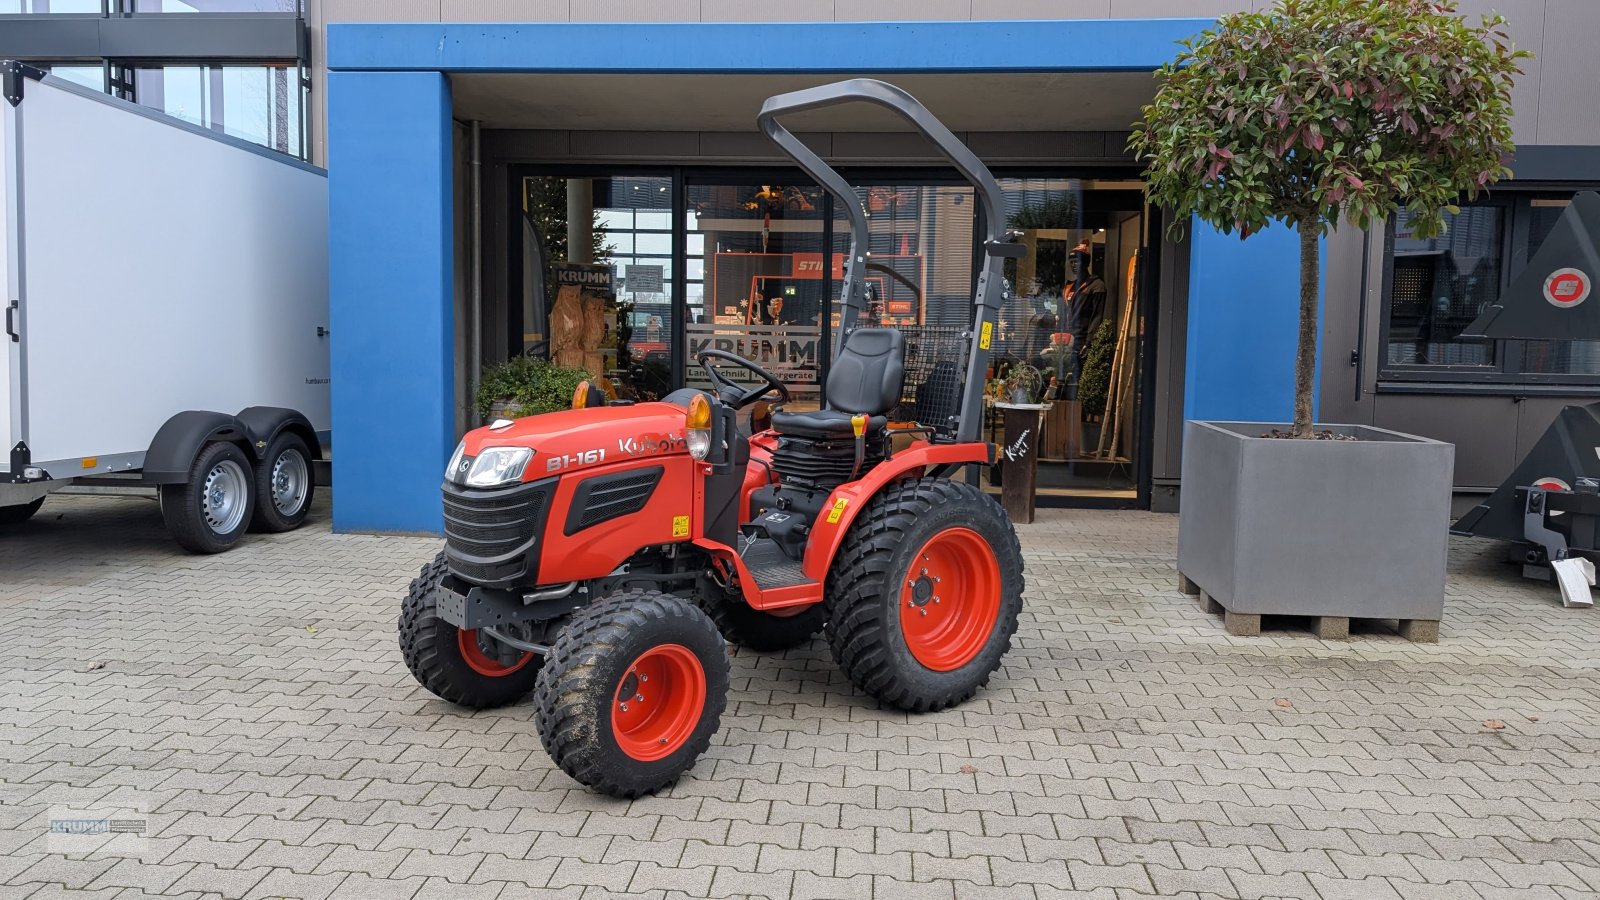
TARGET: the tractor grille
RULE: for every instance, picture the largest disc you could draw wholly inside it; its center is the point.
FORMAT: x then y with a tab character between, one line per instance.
606	497
491	536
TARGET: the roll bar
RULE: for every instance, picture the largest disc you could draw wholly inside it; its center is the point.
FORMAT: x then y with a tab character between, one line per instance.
997	243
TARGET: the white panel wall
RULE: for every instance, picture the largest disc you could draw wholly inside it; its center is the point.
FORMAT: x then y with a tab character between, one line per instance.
8	350
181	272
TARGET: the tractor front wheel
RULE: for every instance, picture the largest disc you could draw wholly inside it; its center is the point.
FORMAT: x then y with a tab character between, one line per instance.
467	668
924	594
632	692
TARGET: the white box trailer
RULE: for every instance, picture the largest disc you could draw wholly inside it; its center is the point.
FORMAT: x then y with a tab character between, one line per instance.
166	302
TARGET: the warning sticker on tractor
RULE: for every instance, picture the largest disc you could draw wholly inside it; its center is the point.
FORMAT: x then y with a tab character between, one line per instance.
985	335
838	511
680	526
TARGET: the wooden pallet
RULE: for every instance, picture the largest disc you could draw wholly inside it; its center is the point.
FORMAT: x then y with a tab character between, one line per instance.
1327	628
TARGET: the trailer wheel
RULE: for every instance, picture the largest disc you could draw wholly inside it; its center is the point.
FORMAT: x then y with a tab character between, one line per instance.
924	594
466	668
284	485
632	692
16	515
753	629
210	511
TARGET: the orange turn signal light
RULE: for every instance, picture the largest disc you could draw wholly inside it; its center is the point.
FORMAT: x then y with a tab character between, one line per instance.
699	416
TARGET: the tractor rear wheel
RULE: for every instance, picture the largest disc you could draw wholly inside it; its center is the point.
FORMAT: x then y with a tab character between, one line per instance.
632	692
467	668
924	594
753	629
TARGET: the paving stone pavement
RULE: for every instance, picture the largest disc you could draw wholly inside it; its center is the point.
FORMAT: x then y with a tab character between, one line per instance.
255	707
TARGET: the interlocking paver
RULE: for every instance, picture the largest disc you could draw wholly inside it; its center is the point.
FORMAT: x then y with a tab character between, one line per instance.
1128	748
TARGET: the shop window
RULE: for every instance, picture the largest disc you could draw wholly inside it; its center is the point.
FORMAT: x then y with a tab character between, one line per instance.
764	280
620	330
1441	285
1069	310
1437	287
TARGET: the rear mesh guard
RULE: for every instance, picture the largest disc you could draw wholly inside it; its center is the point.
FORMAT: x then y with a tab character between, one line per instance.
936	359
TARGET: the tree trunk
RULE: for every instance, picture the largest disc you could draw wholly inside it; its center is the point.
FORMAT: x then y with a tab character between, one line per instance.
1305	361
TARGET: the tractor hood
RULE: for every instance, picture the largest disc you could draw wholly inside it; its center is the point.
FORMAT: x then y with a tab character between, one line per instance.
585	438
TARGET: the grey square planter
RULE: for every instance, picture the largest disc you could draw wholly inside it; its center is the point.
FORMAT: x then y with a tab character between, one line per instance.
1351	529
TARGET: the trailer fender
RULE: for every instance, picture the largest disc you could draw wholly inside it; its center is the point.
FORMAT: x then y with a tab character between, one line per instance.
180	439
845	503
265	423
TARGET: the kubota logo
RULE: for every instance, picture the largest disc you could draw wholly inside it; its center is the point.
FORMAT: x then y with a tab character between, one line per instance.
648	444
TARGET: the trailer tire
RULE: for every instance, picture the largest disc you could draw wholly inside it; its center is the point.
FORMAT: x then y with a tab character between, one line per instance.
210	511
285	485
16	515
911	538
451	663
656	651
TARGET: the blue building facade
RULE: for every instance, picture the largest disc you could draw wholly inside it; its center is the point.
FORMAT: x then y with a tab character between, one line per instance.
396	216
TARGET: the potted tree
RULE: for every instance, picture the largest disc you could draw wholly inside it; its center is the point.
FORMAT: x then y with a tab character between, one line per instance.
1306	115
526	386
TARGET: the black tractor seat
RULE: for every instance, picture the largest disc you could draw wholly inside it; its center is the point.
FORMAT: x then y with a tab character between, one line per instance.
823	425
867	378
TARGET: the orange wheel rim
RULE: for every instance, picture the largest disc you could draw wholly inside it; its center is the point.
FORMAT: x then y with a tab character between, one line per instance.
950	599
658	702
481	662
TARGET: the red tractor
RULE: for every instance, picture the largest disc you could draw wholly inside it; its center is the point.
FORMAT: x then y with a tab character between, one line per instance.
600	557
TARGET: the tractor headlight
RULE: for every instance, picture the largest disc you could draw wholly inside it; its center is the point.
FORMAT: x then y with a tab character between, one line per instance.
498	465
453	470
698	427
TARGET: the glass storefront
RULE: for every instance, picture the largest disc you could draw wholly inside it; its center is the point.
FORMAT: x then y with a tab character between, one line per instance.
762	261
1070	331
764	281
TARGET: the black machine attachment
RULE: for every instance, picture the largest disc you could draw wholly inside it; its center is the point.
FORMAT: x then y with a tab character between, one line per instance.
1549	300
1551	504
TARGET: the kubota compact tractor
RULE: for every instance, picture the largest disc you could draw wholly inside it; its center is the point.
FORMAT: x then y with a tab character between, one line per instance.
599	557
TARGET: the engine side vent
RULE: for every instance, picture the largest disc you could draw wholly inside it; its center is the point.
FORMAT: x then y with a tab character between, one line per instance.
606	497
824	464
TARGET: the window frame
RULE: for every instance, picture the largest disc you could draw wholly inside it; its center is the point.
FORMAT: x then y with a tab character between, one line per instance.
1508	353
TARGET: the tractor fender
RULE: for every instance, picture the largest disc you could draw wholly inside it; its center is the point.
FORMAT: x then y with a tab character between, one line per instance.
847	501
178	442
265	423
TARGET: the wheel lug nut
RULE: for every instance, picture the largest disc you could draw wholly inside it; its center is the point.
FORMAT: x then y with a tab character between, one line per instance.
924	611
936	599
936	580
924	571
639	697
644	677
624	707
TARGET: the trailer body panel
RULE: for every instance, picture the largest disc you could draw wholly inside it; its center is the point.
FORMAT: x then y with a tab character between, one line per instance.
157	267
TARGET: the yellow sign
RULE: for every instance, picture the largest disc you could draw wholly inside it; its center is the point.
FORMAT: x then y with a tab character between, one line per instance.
838	511
680	526
986	335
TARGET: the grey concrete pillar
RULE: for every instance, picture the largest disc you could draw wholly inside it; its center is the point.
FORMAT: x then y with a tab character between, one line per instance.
580	220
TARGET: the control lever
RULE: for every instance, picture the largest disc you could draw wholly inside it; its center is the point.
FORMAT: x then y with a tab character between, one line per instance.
858	424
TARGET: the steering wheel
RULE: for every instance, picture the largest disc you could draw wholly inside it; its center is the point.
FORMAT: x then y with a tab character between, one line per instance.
730	391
